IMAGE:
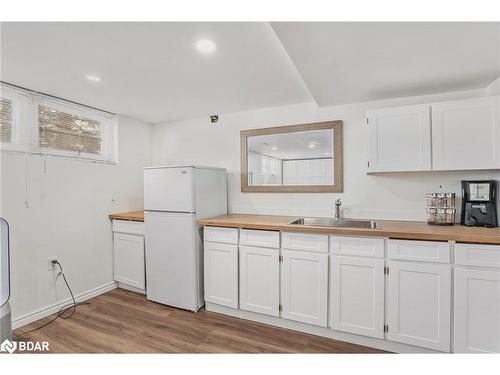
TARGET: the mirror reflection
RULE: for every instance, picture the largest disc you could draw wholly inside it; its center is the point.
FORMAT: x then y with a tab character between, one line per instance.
291	159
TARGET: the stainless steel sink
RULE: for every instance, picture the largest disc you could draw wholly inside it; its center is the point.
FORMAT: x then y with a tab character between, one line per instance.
342	223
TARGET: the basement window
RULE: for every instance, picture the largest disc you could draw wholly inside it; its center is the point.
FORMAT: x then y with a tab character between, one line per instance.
38	124
58	130
6	119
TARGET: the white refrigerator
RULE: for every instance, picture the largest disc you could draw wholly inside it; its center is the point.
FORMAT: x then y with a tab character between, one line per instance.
175	198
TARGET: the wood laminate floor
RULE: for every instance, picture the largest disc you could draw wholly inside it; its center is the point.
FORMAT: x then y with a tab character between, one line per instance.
125	322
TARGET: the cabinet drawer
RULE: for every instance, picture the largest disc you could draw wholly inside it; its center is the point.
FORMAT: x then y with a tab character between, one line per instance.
126	226
477	255
425	251
305	241
218	234
260	238
364	246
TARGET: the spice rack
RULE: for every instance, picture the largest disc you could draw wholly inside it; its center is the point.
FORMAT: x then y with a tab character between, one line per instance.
440	208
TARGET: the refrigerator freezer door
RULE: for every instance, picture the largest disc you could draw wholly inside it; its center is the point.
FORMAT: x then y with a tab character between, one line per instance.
169	189
171	259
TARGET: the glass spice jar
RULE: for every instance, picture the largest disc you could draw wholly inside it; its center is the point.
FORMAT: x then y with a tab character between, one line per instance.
441	200
450	199
431	215
450	215
431	199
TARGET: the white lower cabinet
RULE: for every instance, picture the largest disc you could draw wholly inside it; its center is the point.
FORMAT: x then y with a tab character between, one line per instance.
221	274
419	304
128	263
477	311
402	295
304	287
259	280
357	295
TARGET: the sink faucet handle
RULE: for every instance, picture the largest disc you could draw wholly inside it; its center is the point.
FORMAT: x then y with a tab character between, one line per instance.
338	202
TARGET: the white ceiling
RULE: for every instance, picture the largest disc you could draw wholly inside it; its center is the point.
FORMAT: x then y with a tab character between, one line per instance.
358	62
151	71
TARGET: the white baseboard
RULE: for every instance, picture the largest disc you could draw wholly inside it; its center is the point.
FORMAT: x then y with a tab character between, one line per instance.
318	331
131	288
46	311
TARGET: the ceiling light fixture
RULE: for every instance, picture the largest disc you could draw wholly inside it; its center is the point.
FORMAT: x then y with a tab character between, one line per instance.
93	78
206	46
274	148
312	145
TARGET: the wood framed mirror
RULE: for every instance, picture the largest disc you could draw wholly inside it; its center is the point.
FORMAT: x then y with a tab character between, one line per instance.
304	158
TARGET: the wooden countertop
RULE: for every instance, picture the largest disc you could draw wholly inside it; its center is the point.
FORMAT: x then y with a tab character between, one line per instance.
410	230
131	216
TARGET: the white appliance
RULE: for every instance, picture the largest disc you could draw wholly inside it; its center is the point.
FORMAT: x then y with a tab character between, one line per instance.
5	315
175	198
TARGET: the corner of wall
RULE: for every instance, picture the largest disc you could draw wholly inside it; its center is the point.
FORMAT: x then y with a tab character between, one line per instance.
493	88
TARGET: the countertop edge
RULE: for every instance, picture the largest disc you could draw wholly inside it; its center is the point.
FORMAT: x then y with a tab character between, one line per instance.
238	221
128	216
406	234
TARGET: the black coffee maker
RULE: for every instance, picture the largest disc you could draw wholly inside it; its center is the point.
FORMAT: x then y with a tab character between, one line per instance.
478	204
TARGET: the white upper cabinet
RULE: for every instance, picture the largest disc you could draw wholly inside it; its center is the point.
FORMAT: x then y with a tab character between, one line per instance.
400	139
466	134
456	135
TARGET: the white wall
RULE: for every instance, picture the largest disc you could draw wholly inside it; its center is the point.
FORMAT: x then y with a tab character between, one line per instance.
67	217
493	88
391	195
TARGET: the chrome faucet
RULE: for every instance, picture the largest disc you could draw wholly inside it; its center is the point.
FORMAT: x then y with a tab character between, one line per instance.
338	203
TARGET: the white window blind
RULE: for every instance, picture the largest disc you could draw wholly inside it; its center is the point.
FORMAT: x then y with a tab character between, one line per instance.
60	130
34	123
6	120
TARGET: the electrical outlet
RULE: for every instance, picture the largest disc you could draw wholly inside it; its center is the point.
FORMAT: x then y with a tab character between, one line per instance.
51	266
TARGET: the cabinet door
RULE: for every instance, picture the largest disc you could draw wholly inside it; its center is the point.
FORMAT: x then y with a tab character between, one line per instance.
400	139
259	280
466	134
304	286
128	264
477	311
357	295
419	306
221	274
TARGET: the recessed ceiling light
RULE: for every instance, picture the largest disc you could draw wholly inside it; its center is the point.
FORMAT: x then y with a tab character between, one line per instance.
327	153
93	78
312	145
206	46
274	148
